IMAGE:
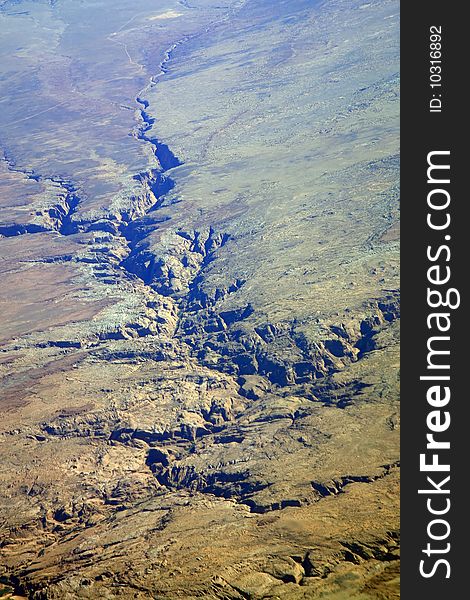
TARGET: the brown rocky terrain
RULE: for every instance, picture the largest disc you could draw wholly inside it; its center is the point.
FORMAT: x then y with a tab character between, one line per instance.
200	300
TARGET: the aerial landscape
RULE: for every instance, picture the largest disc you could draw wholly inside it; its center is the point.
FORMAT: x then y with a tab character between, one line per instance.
199	266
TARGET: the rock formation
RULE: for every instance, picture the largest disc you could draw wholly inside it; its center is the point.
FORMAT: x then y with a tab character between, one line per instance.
200	303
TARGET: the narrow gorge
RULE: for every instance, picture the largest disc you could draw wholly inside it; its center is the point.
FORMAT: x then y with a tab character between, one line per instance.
199	344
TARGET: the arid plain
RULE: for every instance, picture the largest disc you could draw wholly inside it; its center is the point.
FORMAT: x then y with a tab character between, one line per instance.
199	299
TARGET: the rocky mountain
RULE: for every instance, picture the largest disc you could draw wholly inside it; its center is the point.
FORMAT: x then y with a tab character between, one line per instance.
199	299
